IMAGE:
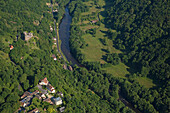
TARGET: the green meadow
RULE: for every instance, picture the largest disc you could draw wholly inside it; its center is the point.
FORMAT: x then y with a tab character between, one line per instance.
96	50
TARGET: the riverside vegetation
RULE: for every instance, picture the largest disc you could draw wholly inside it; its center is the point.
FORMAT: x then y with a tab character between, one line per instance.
29	61
129	40
89	89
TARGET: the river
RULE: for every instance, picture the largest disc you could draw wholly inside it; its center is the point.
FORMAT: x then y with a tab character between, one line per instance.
64	34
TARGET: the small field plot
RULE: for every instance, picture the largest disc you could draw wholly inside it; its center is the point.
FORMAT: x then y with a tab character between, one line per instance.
118	70
146	82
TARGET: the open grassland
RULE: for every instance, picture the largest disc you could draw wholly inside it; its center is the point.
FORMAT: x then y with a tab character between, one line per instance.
118	70
84	28
148	83
96	50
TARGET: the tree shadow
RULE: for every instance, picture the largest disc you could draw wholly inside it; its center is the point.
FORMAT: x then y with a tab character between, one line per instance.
105	50
22	36
104	32
134	67
102	41
103	13
104	57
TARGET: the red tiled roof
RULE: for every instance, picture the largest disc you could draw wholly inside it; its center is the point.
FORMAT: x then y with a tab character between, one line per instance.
26	94
44	80
22	103
94	21
11	47
48	100
50	87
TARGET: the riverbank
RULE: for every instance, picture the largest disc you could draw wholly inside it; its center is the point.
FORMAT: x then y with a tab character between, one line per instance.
60	42
64	35
57	36
97	43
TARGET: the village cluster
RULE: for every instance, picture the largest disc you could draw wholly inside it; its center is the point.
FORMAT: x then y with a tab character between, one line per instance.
42	94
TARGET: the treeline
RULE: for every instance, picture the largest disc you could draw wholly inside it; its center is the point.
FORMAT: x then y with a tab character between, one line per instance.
76	7
146	100
61	9
144	40
23	67
17	16
142	35
76	42
99	84
20	65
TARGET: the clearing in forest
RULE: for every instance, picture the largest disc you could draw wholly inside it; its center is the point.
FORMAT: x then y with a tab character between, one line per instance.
96	49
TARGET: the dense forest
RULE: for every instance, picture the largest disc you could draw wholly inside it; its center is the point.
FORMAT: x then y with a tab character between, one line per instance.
142	30
29	61
142	35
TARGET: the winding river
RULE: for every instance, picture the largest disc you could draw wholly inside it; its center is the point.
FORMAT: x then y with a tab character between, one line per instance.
64	34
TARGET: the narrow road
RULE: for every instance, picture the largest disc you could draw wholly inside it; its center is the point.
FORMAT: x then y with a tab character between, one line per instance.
56	32
57	38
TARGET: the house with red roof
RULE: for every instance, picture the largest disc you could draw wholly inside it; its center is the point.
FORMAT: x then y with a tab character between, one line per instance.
26	94
50	88
11	47
35	92
48	100
44	81
94	21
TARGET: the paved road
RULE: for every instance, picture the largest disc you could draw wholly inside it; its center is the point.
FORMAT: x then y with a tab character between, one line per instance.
56	31
57	36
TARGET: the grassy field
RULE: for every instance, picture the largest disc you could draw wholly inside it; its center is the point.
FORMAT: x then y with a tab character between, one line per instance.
148	83
96	50
118	70
84	28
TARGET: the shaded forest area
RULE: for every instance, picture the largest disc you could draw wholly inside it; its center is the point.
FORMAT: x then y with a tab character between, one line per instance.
144	27
29	61
142	36
85	90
